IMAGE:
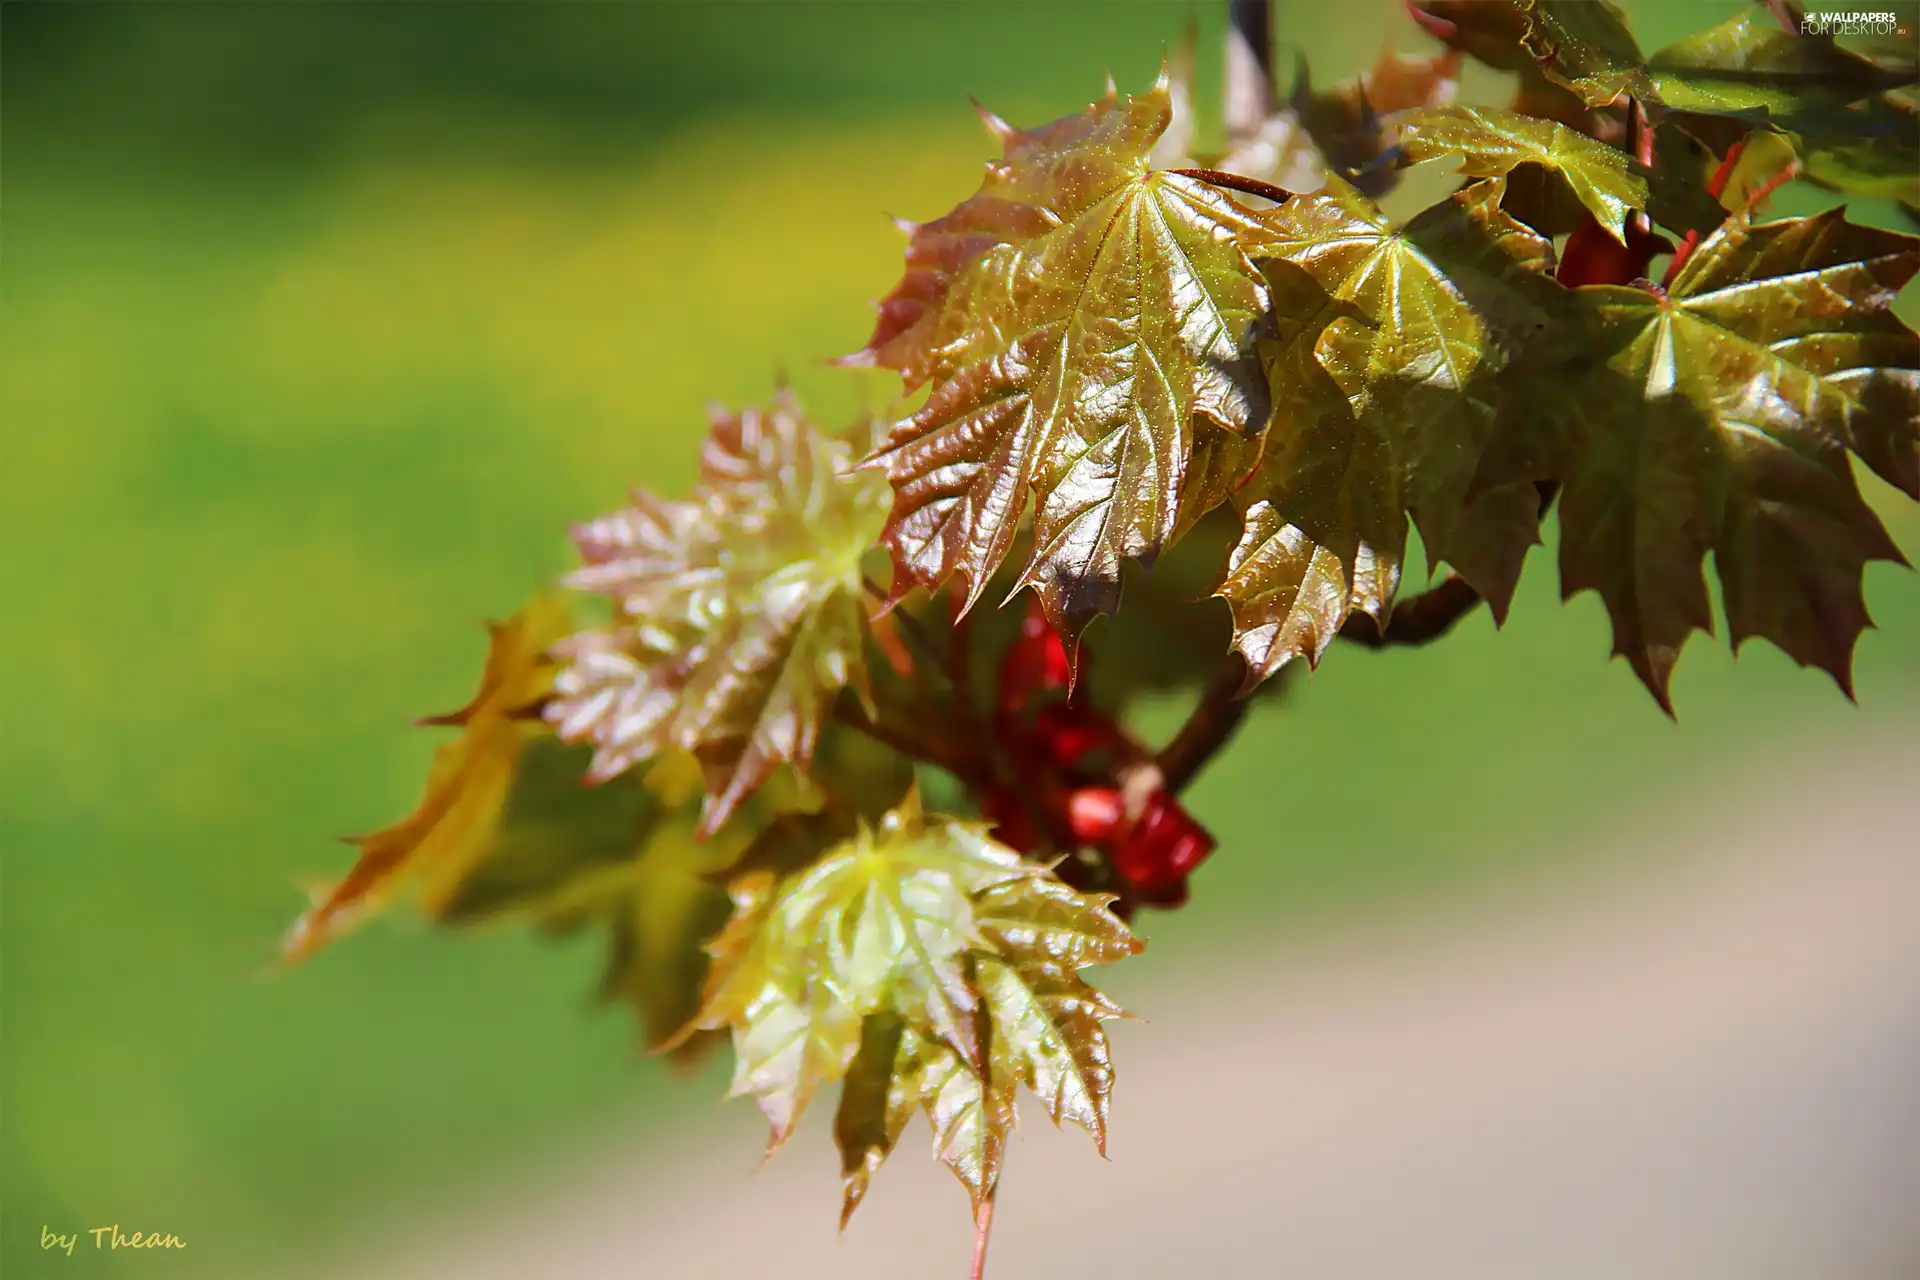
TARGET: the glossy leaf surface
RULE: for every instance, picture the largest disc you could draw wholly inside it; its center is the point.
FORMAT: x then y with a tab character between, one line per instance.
1719	418
929	967
1383	408
1085	356
740	610
1493	143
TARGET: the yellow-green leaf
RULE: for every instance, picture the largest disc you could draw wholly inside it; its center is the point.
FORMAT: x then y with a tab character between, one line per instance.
1492	143
928	967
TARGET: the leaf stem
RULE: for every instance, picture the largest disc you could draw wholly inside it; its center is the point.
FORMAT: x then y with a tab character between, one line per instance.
1238	182
982	1228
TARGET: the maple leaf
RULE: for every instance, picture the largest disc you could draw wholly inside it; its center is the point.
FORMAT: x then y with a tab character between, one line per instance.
930	968
1869	149
1718	418
1085	355
624	855
741	617
1320	131
1044	176
434	847
1383	407
1493	143
1746	65
509	828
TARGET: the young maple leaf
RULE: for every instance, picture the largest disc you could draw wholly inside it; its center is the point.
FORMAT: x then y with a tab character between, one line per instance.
931	968
1044	176
1383	405
1718	417
434	847
567	856
1073	366
1315	131
741	613
508	827
1493	143
1748	65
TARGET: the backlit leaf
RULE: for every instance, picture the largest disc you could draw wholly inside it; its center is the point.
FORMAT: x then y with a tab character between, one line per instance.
1044	177
929	967
740	610
1085	354
1492	143
1382	408
1585	45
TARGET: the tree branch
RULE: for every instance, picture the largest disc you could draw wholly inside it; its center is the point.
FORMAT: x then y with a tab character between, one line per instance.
1209	727
1417	619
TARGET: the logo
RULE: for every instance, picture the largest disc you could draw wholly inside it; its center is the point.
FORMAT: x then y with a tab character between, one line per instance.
1856	23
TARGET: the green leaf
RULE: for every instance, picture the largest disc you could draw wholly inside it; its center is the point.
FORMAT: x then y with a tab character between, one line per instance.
1719	418
881	1092
1383	405
932	969
740	610
1871	149
1085	355
1586	46
1749	65
1492	143
624	855
1745	66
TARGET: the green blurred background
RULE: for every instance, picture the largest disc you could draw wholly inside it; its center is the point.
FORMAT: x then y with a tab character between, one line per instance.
320	323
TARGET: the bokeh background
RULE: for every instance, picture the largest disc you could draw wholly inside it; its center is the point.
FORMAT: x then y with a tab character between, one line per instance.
318	324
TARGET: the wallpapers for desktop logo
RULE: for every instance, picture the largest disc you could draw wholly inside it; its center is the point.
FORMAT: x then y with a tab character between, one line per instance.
1853	23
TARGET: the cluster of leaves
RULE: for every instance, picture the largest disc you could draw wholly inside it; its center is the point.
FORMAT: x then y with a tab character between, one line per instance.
1126	362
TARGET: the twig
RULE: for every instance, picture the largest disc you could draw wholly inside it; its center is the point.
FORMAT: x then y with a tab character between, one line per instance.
1209	726
1417	619
1239	182
935	749
1246	86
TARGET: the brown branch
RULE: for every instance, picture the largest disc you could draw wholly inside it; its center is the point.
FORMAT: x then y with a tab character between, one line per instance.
956	753
1417	619
1238	182
1209	727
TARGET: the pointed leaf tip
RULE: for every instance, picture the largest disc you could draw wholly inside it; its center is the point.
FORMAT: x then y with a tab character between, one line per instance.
998	128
